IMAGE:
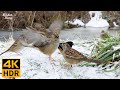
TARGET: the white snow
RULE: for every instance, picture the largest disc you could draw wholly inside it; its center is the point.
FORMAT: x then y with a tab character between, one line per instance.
115	24
116	47
97	20
36	65
75	22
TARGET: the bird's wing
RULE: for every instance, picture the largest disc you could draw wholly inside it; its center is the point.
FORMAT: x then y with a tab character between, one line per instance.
38	26
36	37
73	54
56	26
40	40
42	43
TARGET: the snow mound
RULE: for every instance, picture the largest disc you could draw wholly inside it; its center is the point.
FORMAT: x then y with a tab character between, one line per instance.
97	20
76	22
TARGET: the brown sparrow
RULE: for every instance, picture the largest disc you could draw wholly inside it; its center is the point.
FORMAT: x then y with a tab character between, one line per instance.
72	56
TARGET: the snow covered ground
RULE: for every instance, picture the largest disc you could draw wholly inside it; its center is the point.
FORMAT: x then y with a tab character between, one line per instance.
35	65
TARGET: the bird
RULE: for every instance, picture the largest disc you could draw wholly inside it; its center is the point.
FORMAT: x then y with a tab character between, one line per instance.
104	35
110	21
53	39
72	56
46	42
16	46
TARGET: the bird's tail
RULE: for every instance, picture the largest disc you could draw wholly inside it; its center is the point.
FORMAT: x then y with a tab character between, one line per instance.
98	62
4	52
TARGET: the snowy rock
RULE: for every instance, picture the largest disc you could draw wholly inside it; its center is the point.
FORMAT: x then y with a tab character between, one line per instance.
76	22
